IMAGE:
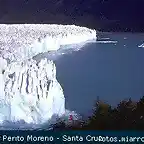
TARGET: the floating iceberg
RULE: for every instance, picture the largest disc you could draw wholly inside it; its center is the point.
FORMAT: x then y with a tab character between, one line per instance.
29	90
21	41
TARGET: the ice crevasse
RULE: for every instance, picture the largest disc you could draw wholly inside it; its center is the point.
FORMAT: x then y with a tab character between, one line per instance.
29	90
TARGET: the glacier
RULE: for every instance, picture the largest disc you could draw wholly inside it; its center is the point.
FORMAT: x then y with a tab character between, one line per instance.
29	90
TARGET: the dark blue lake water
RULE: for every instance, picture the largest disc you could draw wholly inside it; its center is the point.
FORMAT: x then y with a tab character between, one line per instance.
111	71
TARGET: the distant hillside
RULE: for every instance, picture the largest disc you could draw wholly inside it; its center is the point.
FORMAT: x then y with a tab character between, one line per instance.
104	15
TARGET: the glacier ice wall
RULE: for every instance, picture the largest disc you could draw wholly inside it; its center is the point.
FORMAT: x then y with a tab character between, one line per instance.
21	41
30	92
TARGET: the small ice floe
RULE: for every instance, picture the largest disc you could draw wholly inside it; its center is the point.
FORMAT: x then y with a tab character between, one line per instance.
141	46
125	37
105	38
106	41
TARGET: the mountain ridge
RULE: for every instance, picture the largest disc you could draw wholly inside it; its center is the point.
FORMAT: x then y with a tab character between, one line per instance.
103	15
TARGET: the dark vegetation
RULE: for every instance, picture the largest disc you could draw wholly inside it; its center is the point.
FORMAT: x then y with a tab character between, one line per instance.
128	115
103	15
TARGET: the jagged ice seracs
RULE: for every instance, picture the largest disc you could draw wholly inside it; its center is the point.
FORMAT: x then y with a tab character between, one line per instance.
29	89
22	41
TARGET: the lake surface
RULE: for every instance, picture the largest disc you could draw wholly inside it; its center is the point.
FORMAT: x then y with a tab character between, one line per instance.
112	71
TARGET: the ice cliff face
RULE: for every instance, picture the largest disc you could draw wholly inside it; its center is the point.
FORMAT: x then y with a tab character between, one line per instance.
30	92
